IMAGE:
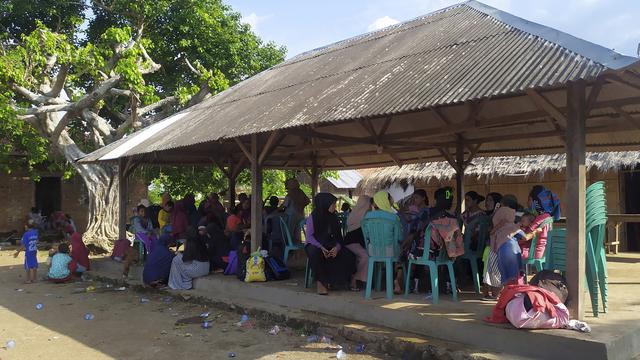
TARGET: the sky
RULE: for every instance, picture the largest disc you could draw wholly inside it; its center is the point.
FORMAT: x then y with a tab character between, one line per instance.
305	25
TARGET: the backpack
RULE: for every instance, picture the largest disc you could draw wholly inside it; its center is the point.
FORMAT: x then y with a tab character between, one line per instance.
275	269
255	269
552	281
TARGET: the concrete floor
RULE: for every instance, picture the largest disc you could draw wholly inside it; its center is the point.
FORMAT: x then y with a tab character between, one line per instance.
615	335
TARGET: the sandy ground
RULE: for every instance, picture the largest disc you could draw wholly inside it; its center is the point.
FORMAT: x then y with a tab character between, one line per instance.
126	328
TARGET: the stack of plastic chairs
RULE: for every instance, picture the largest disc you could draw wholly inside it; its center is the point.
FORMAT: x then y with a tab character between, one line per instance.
596	222
596	261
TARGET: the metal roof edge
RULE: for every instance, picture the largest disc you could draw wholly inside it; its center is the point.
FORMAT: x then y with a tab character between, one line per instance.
595	52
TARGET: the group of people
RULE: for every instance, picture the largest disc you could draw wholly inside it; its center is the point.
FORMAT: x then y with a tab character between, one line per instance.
338	256
208	232
334	241
66	262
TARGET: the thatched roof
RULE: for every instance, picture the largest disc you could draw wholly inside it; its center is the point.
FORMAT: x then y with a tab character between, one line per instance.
496	166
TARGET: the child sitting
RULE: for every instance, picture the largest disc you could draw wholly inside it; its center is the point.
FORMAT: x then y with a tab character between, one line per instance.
29	244
62	265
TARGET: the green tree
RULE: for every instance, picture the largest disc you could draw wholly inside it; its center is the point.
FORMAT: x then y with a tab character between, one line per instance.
76	75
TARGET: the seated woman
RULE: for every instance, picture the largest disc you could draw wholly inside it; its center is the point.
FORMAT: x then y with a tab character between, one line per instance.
235	226
332	264
354	239
545	203
62	265
179	221
472	202
383	208
192	263
492	202
79	253
158	265
504	262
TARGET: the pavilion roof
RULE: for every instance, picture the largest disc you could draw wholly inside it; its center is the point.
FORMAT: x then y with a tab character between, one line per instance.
413	89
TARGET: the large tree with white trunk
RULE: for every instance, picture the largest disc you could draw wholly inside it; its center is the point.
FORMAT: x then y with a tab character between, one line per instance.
77	75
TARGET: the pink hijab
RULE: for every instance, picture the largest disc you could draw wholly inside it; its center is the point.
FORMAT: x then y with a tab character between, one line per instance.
79	251
503	226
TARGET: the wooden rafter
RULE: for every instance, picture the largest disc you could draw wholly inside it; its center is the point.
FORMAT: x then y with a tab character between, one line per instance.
272	141
594	93
630	119
244	149
543	104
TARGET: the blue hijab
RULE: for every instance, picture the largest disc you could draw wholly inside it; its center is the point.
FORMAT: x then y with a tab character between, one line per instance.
158	263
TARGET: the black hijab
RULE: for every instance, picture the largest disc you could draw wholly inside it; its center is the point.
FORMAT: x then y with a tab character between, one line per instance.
195	249
326	227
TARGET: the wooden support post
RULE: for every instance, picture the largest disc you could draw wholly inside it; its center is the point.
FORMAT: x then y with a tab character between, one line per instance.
256	195
122	198
576	201
460	167
314	174
232	190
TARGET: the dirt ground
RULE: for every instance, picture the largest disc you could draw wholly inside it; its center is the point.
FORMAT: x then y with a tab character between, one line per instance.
124	327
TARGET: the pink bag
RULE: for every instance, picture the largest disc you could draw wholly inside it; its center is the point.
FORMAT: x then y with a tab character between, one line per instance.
521	319
120	249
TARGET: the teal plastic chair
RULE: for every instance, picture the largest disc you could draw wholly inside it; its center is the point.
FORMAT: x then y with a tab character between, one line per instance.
308	274
532	261
383	247
474	256
596	228
289	244
433	265
556	259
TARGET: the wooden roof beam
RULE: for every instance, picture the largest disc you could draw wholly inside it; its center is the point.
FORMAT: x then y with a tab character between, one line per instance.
272	141
630	119
243	148
543	104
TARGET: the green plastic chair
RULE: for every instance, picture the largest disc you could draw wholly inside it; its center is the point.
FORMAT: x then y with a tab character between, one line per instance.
556	260
289	244
474	256
596	229
443	259
383	247
539	263
308	274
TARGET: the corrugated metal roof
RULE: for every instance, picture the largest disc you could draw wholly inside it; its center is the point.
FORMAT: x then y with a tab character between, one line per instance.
465	52
347	179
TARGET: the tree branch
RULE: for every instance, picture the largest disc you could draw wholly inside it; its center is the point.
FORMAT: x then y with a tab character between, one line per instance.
152	66
98	123
35	98
193	69
120	92
170	100
61	78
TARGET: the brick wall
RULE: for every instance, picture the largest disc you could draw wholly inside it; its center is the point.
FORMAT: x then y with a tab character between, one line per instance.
18	192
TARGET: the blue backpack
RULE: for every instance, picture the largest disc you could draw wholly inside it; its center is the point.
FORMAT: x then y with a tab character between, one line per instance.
275	269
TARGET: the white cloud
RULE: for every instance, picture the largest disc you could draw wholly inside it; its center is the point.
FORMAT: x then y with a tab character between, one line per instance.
381	23
253	20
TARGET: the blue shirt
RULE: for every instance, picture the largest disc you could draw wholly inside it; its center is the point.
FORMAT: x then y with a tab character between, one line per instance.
60	266
30	241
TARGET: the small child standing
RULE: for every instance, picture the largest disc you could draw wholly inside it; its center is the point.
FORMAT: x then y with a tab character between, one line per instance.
29	244
60	270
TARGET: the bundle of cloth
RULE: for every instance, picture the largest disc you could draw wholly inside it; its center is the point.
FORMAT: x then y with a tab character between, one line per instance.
538	305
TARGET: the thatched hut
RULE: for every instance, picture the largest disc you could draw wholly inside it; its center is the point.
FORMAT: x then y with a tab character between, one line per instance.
517	174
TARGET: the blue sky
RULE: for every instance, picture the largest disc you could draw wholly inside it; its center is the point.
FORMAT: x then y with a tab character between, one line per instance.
304	25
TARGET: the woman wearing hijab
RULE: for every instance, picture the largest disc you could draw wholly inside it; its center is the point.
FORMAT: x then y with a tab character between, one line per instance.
354	239
546	205
179	221
192	263
79	253
158	265
384	210
332	264
504	227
